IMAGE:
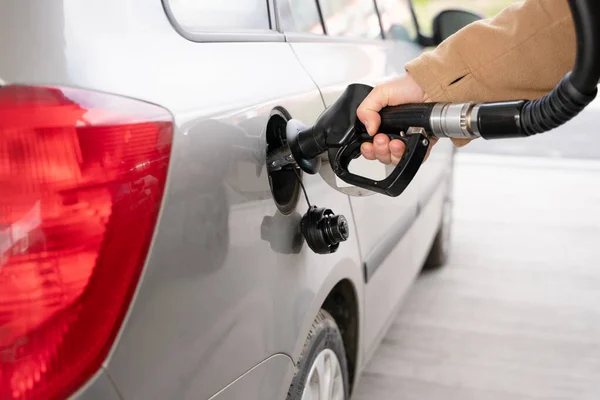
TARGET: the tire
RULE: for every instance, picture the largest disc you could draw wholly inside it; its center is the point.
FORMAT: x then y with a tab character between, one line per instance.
440	250
324	343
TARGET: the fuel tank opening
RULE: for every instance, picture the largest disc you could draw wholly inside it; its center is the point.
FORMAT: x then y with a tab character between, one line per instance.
284	183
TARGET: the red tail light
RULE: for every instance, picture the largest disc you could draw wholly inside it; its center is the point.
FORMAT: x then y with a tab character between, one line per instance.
81	181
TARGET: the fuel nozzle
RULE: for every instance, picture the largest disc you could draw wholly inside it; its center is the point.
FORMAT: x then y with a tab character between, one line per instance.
339	133
305	145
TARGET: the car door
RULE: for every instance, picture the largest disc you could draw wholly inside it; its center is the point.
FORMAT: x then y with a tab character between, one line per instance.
352	50
397	19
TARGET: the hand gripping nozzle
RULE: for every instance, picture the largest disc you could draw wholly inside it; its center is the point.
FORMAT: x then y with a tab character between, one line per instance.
339	132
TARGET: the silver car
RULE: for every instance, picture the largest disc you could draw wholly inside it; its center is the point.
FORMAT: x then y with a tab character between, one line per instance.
146	250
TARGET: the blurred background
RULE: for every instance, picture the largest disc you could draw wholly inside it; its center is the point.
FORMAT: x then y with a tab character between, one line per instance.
426	9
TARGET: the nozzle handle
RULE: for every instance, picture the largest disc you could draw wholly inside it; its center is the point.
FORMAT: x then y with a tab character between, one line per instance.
400	177
395	119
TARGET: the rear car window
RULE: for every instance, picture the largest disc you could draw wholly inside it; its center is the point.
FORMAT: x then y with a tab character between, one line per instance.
220	16
299	16
354	18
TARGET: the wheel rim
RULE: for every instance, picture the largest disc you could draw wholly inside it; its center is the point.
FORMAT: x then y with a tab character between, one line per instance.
325	381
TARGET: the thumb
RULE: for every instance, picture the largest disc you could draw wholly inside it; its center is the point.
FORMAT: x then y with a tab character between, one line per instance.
368	111
398	91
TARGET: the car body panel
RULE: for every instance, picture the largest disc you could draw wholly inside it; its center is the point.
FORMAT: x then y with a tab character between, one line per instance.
268	381
214	300
99	387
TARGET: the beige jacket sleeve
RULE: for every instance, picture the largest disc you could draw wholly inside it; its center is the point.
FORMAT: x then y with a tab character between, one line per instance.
521	53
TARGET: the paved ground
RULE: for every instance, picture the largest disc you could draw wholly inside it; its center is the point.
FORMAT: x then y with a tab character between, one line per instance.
516	312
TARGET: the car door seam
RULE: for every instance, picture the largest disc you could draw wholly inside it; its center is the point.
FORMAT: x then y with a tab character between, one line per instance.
360	256
309	75
214	396
112	381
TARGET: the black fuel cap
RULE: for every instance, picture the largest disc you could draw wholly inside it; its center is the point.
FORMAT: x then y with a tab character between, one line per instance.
324	230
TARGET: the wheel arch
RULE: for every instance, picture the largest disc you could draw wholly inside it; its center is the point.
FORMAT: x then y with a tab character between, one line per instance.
340	294
342	304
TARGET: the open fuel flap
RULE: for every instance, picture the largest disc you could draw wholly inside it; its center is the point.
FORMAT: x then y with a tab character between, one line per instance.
322	229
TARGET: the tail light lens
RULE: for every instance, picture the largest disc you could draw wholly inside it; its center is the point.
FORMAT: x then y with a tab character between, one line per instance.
82	176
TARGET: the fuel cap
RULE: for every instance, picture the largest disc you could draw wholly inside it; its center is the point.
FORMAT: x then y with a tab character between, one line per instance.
324	230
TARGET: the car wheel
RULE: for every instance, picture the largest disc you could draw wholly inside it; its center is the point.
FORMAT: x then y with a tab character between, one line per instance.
438	255
322	372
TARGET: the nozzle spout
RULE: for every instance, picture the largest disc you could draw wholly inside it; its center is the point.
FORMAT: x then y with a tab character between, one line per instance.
305	146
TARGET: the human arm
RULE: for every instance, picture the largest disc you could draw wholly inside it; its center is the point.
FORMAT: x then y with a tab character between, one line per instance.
519	54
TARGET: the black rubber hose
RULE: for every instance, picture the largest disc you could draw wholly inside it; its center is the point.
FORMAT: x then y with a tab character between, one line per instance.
579	87
554	109
586	73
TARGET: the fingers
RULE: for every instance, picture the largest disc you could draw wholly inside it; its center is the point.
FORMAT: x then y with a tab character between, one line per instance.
368	111
368	151
382	150
398	91
397	148
389	152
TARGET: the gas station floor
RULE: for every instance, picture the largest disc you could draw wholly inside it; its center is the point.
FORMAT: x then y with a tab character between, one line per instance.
515	314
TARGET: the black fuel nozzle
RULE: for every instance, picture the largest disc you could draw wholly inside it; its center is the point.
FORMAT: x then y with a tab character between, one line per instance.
339	132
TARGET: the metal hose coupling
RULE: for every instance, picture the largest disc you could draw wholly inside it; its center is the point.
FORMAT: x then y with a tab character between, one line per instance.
455	120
